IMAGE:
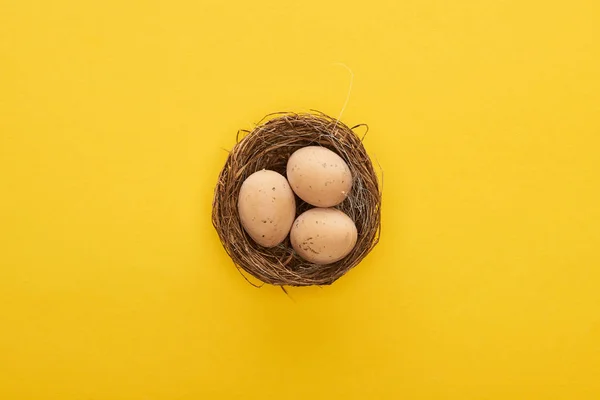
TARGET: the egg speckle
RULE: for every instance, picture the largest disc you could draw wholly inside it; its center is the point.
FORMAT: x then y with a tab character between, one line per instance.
323	235
267	207
319	176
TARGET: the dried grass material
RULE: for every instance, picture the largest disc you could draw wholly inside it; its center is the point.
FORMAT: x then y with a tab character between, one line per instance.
269	146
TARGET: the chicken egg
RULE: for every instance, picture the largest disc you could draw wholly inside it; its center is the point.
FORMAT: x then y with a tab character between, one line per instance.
323	235
267	207
319	176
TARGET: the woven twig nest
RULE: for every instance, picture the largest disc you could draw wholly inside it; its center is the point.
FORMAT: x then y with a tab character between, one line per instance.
269	146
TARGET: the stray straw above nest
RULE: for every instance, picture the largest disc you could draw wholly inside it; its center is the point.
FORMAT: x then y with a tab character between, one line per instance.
269	146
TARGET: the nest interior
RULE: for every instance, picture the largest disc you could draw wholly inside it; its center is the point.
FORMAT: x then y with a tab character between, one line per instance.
269	146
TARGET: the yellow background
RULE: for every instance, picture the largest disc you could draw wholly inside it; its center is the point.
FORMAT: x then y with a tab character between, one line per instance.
114	121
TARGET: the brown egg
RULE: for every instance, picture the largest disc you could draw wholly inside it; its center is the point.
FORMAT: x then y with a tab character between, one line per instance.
267	207
319	176
323	235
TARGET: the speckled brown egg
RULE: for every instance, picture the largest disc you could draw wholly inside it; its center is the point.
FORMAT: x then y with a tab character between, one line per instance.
323	235
319	176
267	207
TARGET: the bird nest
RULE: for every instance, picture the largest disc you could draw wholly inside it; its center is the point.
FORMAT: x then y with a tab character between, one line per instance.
269	146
